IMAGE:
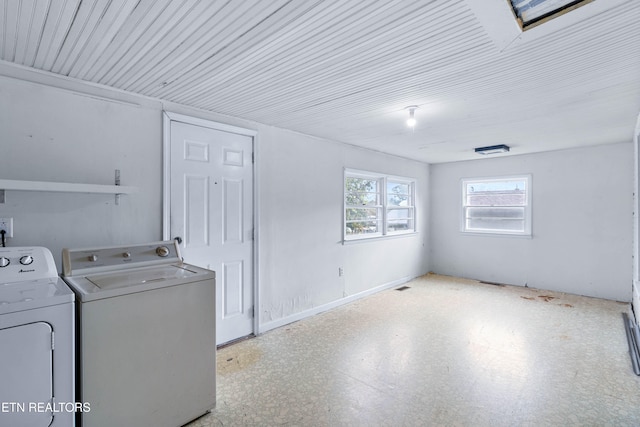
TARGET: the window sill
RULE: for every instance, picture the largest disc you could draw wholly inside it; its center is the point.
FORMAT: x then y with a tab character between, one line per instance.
379	237
496	234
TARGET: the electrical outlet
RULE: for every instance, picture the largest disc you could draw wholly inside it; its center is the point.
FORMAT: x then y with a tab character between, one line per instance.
6	224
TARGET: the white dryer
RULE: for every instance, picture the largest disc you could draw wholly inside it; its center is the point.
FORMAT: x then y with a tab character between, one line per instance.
36	341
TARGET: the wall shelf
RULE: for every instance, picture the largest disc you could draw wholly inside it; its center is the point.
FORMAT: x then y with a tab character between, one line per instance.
67	187
64	187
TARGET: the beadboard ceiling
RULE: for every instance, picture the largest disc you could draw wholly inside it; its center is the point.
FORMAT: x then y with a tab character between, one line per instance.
345	69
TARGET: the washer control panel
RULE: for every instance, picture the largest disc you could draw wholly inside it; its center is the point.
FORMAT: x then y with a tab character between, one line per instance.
26	263
106	258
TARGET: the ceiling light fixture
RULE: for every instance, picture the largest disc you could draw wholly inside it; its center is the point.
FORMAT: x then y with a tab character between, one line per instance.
411	121
492	149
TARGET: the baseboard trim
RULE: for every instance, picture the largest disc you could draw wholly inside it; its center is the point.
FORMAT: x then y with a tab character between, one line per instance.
334	304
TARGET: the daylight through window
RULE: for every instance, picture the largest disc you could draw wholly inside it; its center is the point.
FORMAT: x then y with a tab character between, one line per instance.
377	205
532	11
497	205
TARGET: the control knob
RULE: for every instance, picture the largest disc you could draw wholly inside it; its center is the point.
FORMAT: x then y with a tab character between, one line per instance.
162	251
4	261
92	258
26	260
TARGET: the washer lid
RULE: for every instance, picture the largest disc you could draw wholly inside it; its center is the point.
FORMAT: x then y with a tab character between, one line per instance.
31	294
125	278
133	280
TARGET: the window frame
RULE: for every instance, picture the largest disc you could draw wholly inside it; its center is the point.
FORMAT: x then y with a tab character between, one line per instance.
546	16
383	206
527	232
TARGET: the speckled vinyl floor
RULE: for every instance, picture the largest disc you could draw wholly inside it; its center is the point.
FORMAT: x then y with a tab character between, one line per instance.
445	352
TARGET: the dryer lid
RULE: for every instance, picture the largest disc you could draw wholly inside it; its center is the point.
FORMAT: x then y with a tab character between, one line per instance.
31	294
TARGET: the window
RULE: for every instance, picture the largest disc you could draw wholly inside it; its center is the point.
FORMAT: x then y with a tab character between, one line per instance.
377	205
533	11
497	205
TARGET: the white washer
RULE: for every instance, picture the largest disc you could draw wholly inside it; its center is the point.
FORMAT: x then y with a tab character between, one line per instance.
146	335
36	341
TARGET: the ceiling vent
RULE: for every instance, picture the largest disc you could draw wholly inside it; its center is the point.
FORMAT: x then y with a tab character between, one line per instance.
492	149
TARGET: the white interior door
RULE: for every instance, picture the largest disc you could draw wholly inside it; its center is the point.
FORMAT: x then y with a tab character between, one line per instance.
211	209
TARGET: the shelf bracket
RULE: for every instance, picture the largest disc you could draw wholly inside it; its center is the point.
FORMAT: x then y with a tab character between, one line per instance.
117	182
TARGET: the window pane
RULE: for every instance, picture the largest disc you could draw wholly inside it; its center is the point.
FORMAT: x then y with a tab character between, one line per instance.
399	194
496	193
376	205
495	218
400	225
497	205
399	214
399	220
398	187
530	10
355	214
362	184
362	192
363	227
362	199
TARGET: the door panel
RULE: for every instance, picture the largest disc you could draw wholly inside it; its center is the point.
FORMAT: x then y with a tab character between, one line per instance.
233	211
196	193
196	151
233	289
26	374
211	183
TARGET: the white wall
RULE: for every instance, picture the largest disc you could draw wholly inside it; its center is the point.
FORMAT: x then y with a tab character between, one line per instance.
69	131
582	223
50	134
301	206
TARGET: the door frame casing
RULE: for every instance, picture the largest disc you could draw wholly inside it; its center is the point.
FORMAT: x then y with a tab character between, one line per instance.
167	118
635	281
